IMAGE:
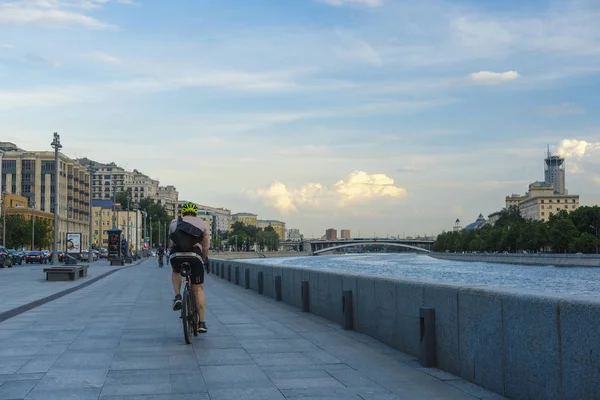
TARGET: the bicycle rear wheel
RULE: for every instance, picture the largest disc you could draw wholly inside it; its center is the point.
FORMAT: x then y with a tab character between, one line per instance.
185	316
194	314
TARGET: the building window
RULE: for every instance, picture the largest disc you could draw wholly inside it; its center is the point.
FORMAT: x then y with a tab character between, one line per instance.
542	213
573	206
542	201
573	200
543	207
558	201
550	201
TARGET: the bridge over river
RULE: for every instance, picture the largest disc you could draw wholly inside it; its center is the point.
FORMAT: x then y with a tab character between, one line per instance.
324	246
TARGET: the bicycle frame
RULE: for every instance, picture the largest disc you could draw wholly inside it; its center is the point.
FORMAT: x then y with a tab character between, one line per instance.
189	315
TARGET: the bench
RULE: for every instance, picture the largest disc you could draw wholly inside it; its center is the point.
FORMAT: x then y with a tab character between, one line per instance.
73	273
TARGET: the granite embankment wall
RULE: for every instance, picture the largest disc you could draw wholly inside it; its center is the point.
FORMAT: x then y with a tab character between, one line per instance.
519	344
559	260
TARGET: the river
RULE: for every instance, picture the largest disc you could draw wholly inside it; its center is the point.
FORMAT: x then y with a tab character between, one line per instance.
575	281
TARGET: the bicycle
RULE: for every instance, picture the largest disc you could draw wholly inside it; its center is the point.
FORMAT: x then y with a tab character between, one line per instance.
160	261
189	311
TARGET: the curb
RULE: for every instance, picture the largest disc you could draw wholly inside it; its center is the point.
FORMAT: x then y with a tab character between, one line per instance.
26	307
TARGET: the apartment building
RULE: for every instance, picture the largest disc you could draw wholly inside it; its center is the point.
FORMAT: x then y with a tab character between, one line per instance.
105	217
245	218
31	174
222	217
168	197
110	179
542	201
278	226
546	197
345	234
331	234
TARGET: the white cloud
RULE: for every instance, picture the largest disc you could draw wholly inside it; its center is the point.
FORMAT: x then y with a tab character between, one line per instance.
493	78
53	13
368	3
7	46
101	57
359	186
582	156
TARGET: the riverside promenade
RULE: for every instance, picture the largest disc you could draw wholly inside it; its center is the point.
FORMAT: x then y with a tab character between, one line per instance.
118	339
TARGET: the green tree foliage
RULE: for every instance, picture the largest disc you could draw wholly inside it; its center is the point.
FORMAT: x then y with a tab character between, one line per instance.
156	213
248	235
577	231
18	232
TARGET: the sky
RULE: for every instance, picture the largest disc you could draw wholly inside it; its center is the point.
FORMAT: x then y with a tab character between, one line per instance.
386	117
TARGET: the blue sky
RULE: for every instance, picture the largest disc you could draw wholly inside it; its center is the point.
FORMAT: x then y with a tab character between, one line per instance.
382	116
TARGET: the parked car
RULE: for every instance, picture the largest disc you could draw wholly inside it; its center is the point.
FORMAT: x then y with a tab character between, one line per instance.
6	259
83	256
61	256
35	257
103	253
17	256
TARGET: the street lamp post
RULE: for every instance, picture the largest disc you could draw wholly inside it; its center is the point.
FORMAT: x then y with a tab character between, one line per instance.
144	214
32	225
57	146
4	193
127	225
150	244
136	207
91	170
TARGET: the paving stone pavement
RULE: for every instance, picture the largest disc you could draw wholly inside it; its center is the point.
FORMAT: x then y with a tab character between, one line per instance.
26	283
118	339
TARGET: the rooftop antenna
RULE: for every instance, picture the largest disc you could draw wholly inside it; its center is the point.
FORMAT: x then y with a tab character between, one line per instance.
548	150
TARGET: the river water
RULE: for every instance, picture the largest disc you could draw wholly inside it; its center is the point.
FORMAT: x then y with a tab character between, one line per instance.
575	281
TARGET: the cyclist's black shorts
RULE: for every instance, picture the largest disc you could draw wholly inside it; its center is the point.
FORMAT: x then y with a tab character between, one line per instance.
197	276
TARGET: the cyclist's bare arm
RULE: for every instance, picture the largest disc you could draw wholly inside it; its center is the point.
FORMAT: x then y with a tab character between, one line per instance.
205	245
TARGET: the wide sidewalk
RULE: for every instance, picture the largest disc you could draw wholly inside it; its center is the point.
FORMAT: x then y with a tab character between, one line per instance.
23	284
118	339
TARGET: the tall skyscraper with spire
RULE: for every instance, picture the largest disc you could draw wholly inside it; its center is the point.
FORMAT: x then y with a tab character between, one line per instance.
554	172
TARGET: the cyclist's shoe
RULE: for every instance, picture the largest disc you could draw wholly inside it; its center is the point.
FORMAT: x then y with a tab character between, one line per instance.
177	303
202	327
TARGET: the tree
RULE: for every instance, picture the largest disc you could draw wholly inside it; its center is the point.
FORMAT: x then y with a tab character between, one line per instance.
18	232
268	239
43	233
509	216
156	213
586	243
563	232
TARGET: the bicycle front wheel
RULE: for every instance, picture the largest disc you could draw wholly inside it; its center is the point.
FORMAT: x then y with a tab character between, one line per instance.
186	305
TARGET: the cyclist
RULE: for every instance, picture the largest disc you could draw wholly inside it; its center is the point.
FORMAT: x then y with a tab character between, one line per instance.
189	212
160	252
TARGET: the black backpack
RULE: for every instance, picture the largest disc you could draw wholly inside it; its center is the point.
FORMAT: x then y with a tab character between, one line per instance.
186	235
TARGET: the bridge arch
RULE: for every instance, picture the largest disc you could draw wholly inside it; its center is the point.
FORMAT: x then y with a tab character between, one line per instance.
341	246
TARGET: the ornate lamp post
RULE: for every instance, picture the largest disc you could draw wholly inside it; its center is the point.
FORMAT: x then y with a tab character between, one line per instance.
57	146
91	169
4	193
136	207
